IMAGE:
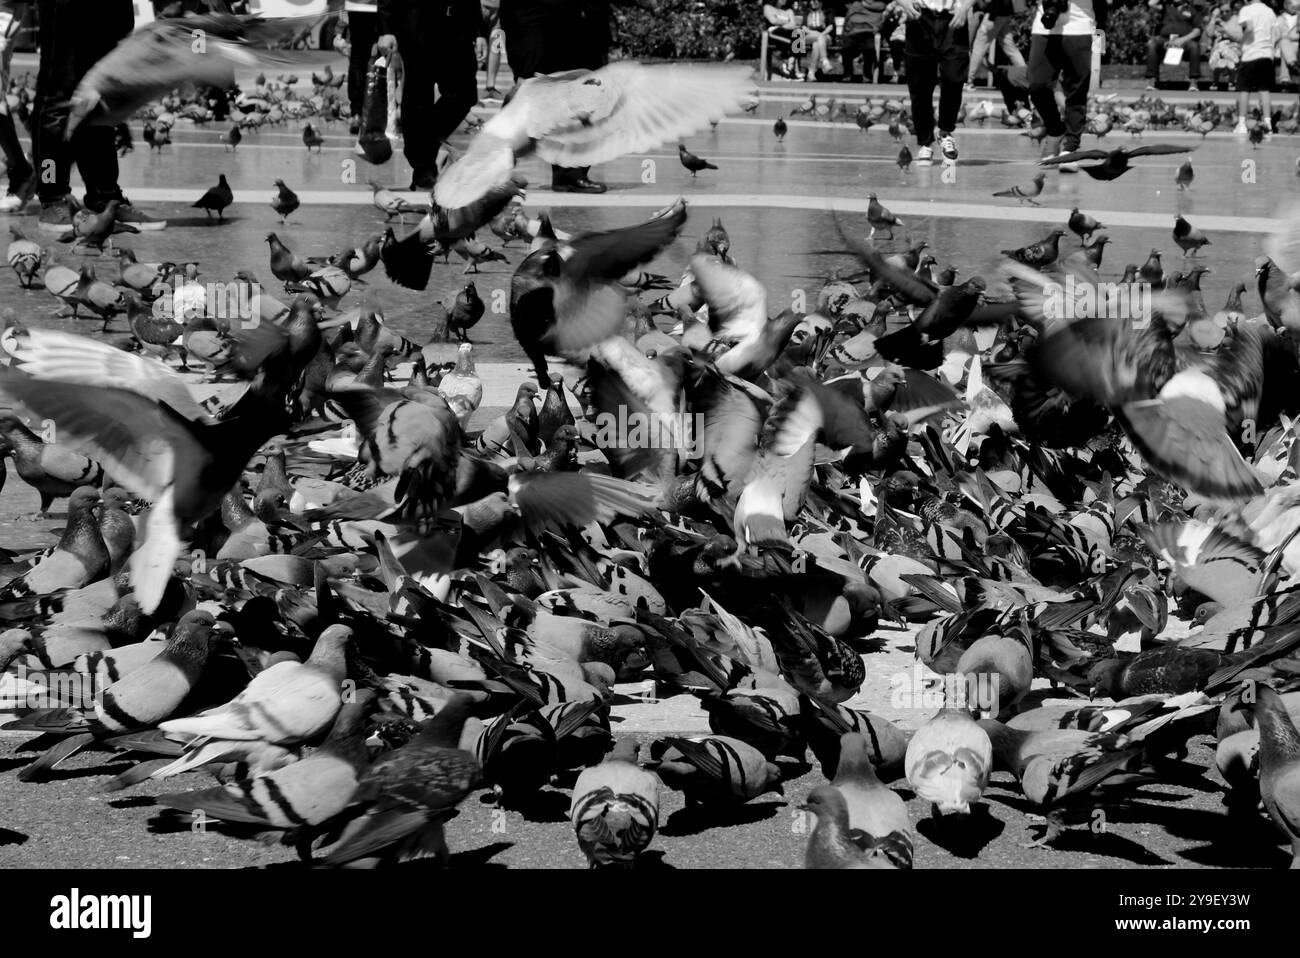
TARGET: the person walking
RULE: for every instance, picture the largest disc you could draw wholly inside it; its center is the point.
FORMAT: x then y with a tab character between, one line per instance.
993	34
1060	47
73	36
1180	27
363	30
22	178
436	40
937	53
552	36
493	46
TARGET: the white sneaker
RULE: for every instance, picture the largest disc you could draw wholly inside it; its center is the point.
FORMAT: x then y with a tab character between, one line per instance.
1240	128
12	203
948	147
924	157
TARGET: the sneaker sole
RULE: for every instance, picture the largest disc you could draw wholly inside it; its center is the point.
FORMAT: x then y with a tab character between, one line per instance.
150	227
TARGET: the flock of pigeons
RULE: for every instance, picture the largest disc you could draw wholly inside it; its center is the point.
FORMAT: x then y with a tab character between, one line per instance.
338	592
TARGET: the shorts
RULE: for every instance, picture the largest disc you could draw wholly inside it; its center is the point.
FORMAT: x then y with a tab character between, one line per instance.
1254	76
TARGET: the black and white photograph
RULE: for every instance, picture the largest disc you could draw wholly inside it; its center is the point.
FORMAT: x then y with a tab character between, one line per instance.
651	435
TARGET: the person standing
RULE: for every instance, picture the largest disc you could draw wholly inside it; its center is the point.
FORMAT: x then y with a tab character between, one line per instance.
1258	29
552	36
363	31
994	33
1062	49
1180	26
937	53
73	36
436	40
22	178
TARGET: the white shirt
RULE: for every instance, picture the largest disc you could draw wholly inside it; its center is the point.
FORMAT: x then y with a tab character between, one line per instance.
1079	20
1259	25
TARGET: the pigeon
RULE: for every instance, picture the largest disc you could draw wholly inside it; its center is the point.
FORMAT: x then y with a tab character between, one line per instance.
466	310
1040	254
587	118
948	761
693	162
303	794
1114	163
25	257
1083	226
873	808
232	137
390	204
285	265
216	199
311	137
1189	238
615	808
832	844
79	558
1279	761
780	128
286	201
405	795
285	704
904	158
880	218
53	470
1026	193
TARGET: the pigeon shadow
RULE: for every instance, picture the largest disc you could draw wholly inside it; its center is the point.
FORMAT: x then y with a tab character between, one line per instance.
199	221
480	857
1108	843
1254	839
963	836
542	807
10	837
694	820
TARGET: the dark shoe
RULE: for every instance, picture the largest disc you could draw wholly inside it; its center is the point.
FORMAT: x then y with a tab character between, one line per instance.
422	181
579	184
130	215
354	126
492	93
56	216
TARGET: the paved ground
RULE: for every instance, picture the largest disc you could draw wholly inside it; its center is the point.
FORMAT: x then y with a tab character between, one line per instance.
775	201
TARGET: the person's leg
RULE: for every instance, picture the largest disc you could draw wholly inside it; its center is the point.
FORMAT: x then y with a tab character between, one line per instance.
496	46
457	76
1005	35
979	48
99	26
19	170
869	41
1192	52
850	50
1266	108
1155	53
56	79
954	62
1042	90
362	34
920	58
1075	64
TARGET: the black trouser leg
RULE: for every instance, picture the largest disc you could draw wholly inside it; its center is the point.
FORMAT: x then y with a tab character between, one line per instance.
1075	64
1042	82
954	64
921	58
74	35
457	75
363	29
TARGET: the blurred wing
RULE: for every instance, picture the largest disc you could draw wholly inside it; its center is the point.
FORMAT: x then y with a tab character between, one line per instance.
1150	149
135	439
1074	157
737	301
610	254
49	354
628	108
558	499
